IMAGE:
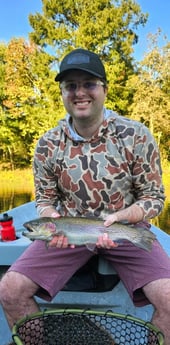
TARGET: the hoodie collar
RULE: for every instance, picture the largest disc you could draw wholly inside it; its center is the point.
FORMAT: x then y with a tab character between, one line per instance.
108	115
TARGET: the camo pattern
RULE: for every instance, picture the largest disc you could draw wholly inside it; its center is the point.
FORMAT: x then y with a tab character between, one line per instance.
117	167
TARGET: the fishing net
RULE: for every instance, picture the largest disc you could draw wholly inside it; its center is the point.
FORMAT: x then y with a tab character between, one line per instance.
79	327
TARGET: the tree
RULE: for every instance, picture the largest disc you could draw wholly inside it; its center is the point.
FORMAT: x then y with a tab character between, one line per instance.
2	71
104	26
30	98
27	107
151	100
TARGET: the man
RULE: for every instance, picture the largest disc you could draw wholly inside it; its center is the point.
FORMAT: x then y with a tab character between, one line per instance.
94	163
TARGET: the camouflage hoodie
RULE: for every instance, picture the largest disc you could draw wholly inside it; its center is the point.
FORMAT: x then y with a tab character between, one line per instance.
118	166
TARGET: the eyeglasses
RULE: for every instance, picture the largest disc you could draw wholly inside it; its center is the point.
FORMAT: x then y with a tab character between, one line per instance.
70	87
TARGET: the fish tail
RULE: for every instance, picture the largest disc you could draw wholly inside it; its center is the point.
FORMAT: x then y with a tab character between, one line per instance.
146	240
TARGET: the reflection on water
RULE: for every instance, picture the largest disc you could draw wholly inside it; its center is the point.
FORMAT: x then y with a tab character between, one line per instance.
11	200
8	201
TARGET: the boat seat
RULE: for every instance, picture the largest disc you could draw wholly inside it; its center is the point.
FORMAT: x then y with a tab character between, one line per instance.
97	275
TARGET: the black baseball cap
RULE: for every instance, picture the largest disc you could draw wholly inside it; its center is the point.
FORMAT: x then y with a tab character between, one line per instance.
82	59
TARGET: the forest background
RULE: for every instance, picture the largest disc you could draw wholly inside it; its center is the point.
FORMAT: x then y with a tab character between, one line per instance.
30	101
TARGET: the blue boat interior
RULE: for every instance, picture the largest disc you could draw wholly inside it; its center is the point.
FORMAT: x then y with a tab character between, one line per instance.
95	286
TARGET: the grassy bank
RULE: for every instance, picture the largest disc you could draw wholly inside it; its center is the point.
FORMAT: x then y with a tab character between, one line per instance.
166	182
17	180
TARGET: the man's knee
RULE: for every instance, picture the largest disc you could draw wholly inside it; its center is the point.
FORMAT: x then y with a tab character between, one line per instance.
12	286
158	292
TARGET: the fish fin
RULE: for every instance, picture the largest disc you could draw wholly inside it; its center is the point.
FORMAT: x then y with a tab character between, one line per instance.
144	245
47	244
146	240
119	241
91	246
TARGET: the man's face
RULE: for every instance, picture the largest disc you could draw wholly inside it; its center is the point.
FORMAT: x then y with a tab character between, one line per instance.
83	95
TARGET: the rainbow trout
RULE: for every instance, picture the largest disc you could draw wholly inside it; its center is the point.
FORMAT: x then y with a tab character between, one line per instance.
85	231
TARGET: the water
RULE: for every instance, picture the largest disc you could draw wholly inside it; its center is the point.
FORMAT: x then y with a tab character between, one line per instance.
13	200
10	200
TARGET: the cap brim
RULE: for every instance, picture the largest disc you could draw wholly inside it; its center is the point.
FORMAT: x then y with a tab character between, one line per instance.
61	75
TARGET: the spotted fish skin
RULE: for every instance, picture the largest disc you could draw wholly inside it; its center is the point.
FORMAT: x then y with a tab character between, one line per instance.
85	231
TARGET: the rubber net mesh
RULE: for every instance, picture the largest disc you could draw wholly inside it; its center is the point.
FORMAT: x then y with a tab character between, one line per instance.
71	328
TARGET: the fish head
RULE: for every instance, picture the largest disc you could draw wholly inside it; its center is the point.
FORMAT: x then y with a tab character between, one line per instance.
41	228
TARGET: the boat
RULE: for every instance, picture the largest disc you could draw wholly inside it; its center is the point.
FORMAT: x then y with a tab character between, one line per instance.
80	292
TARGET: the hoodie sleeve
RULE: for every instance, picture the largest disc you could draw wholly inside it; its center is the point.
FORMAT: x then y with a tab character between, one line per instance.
147	174
45	178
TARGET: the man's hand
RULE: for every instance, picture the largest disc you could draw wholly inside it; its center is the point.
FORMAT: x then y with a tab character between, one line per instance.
111	218
131	214
60	242
105	242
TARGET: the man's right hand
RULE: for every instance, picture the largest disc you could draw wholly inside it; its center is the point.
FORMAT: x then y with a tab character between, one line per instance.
59	242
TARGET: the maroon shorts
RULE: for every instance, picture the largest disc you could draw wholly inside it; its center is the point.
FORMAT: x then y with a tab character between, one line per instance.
51	268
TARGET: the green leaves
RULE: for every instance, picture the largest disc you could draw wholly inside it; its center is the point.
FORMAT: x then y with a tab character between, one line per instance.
30	101
151	98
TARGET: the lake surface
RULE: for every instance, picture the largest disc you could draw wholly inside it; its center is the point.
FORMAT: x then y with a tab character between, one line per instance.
14	199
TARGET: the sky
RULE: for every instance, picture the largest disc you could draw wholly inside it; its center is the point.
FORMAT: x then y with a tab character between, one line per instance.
14	20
